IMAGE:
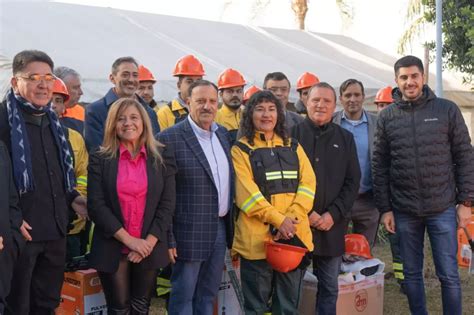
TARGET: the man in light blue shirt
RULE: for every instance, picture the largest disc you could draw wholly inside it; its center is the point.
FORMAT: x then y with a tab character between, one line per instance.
361	124
203	220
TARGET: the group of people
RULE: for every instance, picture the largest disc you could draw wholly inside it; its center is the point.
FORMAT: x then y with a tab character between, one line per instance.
222	169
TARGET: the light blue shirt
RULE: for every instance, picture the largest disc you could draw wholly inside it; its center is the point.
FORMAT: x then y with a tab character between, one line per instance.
360	131
214	152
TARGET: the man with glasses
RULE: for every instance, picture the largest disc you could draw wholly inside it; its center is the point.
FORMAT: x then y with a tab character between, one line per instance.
44	177
124	77
279	85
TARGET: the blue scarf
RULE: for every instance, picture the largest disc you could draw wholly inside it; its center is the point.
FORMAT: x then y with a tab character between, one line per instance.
20	145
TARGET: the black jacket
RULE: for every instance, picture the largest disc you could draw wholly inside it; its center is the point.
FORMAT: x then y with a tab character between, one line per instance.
105	211
333	155
10	222
423	160
46	208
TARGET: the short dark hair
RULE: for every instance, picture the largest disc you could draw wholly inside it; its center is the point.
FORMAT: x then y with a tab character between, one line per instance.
121	60
276	76
63	72
324	85
348	82
197	83
248	128
408	61
25	57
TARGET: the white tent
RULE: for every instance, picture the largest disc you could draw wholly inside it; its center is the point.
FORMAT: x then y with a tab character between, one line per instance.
89	39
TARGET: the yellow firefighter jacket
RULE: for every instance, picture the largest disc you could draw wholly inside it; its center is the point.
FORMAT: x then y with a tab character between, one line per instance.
170	114
256	213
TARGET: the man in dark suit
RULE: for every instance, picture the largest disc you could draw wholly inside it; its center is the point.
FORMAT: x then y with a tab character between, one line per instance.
362	124
202	225
124	76
332	152
11	240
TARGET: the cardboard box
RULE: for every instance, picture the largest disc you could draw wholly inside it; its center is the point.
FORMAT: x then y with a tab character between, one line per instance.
82	294
363	297
464	249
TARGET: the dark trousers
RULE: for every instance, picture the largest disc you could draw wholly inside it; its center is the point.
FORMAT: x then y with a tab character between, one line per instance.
326	270
38	278
365	217
8	256
129	289
73	247
396	256
260	283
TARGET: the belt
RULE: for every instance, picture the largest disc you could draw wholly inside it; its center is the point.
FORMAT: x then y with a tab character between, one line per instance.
367	194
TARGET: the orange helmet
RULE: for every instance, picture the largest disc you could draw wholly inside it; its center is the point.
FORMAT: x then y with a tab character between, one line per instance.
188	65
384	95
306	80
60	88
357	245
283	257
230	78
251	91
144	74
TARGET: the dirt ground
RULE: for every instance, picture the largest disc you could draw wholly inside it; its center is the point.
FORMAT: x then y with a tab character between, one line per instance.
395	303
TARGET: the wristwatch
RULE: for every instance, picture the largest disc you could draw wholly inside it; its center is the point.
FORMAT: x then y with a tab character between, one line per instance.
467	203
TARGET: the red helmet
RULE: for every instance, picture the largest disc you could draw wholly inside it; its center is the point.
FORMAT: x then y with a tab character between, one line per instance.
384	95
357	245
230	78
251	91
283	257
60	88
306	80
188	65
144	74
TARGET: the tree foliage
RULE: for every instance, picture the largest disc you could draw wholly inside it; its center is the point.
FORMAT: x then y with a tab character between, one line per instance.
458	34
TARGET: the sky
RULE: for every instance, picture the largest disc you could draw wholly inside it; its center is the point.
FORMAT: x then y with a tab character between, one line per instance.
378	23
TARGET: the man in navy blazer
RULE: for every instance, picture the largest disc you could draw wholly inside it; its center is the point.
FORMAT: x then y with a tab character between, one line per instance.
124	76
203	220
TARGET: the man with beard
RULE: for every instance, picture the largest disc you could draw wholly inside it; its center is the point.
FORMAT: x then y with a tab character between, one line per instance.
145	87
124	76
231	90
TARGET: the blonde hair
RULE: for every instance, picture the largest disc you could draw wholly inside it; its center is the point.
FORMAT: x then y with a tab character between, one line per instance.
111	142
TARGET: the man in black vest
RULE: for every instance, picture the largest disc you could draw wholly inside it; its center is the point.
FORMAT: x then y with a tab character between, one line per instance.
44	177
333	155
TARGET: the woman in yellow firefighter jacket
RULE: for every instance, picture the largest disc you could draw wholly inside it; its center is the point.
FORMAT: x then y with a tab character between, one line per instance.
275	186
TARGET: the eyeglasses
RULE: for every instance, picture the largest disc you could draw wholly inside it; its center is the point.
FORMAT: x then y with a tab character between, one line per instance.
48	78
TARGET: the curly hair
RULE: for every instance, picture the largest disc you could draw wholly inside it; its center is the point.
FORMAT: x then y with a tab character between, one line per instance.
248	128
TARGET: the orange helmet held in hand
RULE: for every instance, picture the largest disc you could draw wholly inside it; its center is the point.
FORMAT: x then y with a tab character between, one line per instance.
144	74
357	245
60	88
188	65
384	95
306	80
251	91
230	78
283	257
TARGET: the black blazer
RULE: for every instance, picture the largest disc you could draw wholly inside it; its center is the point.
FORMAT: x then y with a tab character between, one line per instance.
10	222
105	212
333	155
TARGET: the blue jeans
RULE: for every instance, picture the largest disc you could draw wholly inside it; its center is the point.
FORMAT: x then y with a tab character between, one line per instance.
442	231
326	270
194	284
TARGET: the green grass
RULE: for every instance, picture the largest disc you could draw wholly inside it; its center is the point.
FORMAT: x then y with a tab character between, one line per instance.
396	303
